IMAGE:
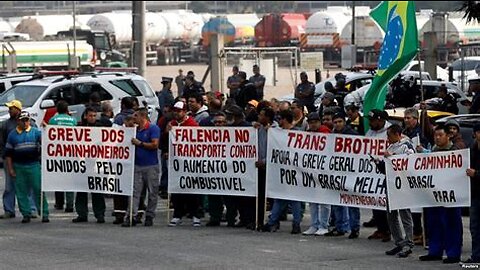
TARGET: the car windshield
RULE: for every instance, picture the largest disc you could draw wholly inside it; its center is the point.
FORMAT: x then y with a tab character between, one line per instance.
144	88
469	64
27	94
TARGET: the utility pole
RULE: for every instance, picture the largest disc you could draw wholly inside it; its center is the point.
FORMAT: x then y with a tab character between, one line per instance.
75	64
353	22
138	34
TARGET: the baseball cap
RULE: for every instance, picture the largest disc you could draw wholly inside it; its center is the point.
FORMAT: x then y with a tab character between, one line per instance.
219	94
340	115
313	116
24	115
378	114
253	102
452	122
14	103
180	105
166	79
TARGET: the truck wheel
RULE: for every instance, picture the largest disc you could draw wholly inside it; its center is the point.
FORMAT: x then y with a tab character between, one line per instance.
177	56
171	53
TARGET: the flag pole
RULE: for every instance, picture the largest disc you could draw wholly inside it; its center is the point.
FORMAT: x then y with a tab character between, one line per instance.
419	50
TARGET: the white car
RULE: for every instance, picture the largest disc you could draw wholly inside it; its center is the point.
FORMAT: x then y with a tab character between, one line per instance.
11	79
442	73
38	96
471	69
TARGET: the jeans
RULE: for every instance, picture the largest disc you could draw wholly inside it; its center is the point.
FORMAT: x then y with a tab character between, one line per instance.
354	218
279	205
320	214
341	218
9	195
475	228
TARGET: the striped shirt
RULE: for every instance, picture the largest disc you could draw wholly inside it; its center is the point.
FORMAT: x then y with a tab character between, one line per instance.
23	146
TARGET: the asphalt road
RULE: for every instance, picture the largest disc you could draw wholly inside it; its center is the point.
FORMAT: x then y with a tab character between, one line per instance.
61	244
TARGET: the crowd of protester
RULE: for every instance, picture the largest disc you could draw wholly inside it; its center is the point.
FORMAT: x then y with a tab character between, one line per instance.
245	105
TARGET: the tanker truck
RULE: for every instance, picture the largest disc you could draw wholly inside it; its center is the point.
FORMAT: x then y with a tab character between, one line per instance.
26	56
171	37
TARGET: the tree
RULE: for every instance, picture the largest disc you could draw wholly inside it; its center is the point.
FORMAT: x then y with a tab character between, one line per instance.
472	10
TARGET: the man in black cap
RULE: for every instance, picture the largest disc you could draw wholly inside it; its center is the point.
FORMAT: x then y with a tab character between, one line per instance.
449	102
192	87
165	96
378	129
304	92
245	205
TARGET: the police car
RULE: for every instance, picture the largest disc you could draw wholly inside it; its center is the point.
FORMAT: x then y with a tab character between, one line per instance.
39	96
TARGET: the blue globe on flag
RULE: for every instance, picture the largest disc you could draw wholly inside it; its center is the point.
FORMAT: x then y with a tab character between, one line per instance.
392	40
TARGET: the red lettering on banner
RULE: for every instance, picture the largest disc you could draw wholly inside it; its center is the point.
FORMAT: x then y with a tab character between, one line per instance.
112	135
307	141
69	134
360	145
242	136
400	164
197	135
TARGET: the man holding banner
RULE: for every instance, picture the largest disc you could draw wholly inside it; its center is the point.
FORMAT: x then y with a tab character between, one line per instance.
23	162
444	224
474	173
403	245
286	122
146	166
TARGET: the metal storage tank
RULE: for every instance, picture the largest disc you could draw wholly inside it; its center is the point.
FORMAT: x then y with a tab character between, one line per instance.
120	24
218	25
279	29
40	26
5	26
239	20
367	32
322	26
192	26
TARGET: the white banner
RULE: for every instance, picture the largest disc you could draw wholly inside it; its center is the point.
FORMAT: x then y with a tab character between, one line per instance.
325	168
88	159
213	160
428	180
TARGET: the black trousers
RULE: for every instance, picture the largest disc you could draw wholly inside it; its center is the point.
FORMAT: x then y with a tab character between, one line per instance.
380	217
186	204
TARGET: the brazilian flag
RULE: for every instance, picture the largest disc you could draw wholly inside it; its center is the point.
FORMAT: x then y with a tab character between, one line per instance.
400	44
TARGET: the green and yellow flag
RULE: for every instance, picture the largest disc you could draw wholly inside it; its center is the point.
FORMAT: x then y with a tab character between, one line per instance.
400	44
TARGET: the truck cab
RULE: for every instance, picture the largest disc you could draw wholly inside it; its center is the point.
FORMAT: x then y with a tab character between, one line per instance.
102	42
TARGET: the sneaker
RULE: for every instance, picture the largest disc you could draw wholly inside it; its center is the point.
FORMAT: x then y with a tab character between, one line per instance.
148	221
196	222
270	228
26	219
469	260
33	215
321	232
175	222
393	251
427	258
79	219
7	215
45	220
354	234
310	231
296	229
451	260
405	252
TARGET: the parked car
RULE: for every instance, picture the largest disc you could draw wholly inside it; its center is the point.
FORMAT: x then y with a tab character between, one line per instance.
442	73
38	95
395	116
11	79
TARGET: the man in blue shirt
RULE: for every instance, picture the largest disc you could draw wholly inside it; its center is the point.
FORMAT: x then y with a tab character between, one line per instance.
23	162
147	169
